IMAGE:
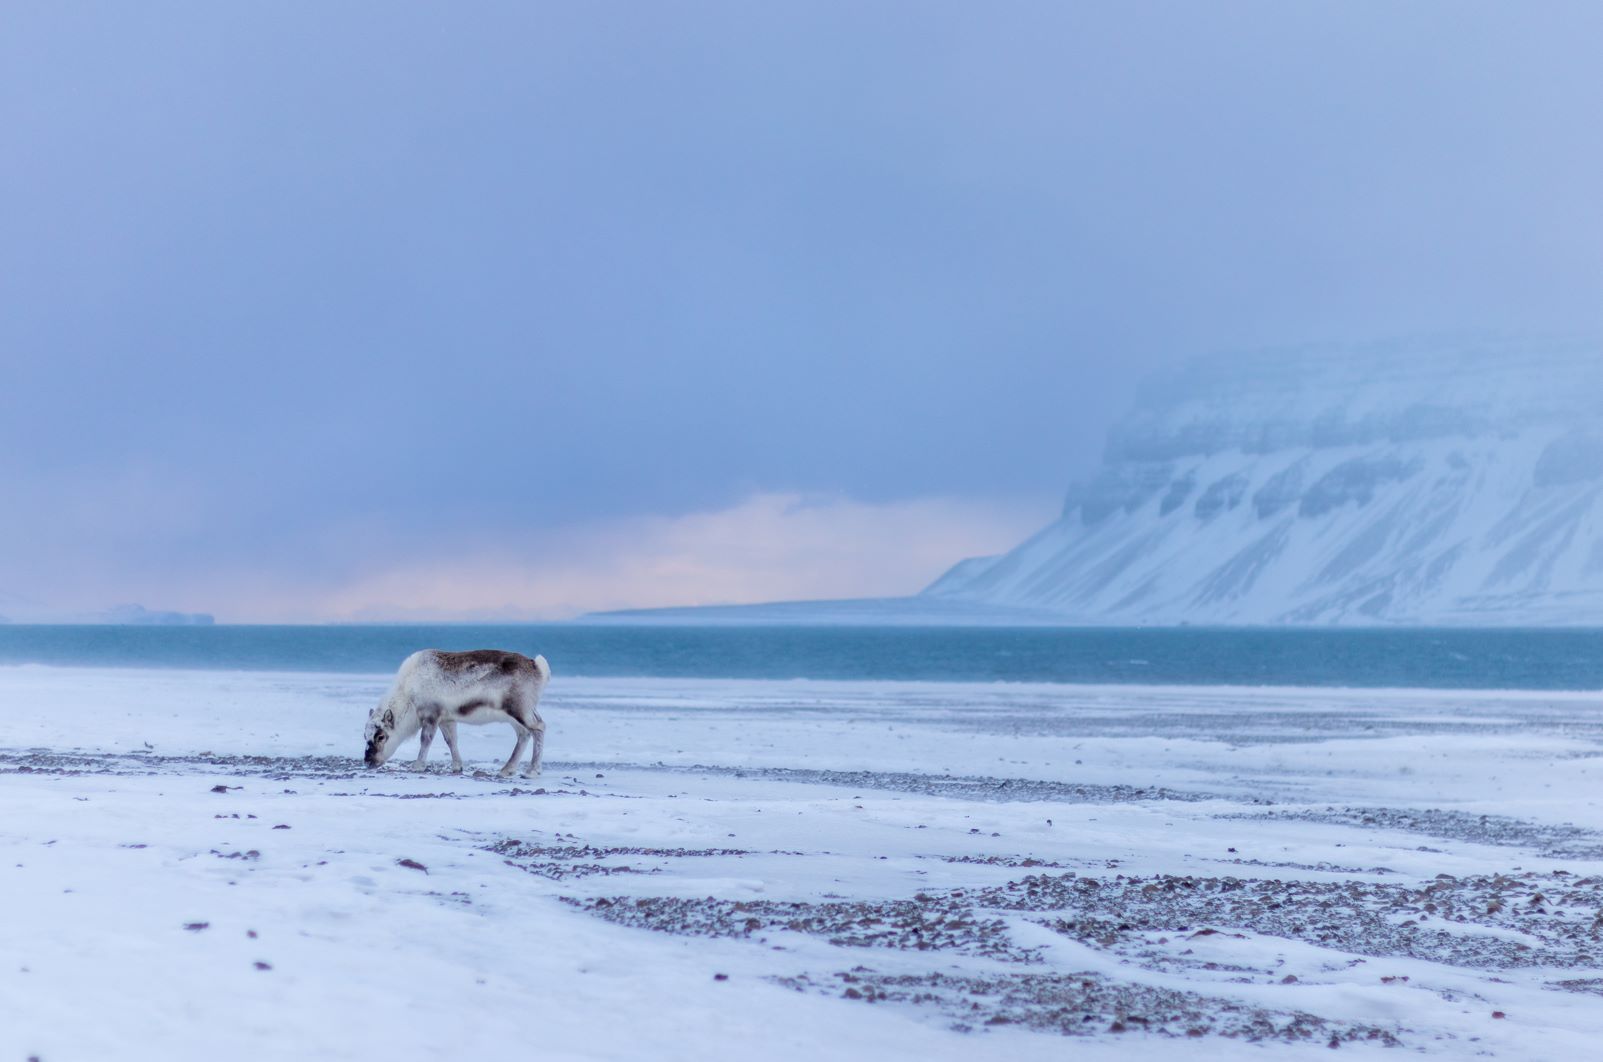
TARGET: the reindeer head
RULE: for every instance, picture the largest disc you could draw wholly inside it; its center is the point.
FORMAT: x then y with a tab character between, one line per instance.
380	734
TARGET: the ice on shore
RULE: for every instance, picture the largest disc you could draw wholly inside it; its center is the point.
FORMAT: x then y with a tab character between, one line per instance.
196	866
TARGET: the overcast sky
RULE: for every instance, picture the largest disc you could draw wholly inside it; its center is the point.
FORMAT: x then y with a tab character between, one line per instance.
323	310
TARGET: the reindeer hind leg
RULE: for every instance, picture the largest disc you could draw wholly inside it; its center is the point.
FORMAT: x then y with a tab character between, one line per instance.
517	751
448	731
537	734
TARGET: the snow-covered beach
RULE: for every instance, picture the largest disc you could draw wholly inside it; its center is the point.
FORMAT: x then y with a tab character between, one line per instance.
197	866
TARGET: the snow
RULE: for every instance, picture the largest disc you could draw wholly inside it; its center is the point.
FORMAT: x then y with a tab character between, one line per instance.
1441	484
692	796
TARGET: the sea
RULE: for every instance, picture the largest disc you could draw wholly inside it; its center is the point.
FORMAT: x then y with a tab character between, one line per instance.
1544	659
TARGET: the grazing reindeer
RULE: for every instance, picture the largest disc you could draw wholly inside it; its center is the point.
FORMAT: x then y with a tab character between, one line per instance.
439	689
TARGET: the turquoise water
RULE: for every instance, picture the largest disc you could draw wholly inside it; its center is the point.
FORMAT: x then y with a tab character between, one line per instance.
1490	659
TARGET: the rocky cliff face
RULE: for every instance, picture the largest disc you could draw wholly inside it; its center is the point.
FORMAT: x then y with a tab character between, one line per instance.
1453	483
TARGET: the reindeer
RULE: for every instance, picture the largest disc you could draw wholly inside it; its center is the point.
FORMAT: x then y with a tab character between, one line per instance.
435	689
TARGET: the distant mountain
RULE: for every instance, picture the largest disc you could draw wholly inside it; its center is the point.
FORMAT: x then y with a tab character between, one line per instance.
871	612
1402	483
140	616
16	609
21	610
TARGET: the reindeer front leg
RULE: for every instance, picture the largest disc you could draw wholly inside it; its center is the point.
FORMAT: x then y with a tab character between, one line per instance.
448	728
425	738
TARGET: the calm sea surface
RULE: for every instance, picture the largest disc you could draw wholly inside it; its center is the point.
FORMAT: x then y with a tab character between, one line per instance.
1502	659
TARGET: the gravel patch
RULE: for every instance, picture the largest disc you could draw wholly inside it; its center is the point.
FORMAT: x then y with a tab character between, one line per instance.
1560	915
562	861
925	923
961	787
1087	1004
1557	842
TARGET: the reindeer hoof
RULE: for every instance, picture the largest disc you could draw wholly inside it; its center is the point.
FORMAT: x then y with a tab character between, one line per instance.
456	768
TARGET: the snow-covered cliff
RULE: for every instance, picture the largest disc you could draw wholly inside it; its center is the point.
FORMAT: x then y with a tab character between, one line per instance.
1450	483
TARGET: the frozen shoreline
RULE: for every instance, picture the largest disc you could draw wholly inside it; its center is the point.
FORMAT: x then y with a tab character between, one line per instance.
871	865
